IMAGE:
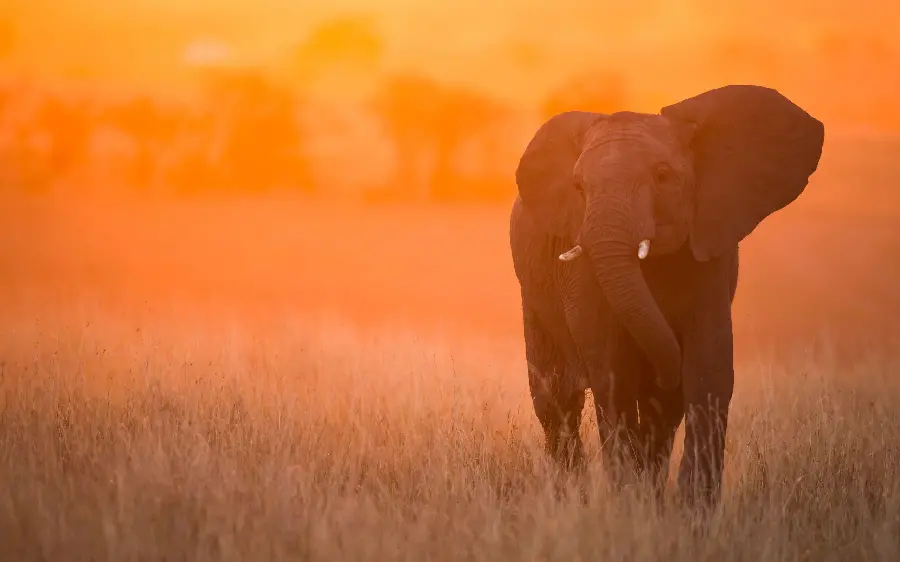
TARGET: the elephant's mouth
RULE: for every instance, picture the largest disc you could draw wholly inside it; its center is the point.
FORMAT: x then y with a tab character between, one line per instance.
642	252
670	237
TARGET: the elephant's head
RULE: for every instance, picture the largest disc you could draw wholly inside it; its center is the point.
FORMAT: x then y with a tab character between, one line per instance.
628	186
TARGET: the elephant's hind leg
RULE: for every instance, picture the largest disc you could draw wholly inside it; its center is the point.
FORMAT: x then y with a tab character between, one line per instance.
557	393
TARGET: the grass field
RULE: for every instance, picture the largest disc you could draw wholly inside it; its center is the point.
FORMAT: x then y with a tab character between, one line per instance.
263	379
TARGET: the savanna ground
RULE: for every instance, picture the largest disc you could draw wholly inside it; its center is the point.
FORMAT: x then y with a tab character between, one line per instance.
270	379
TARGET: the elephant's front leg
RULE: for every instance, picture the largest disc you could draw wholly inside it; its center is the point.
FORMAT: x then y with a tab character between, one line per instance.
554	382
592	326
708	385
616	406
660	411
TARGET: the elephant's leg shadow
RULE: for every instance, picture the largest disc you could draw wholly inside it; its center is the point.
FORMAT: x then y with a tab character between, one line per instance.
557	393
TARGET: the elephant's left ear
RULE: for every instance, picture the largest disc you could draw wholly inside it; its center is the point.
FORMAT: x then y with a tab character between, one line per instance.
754	151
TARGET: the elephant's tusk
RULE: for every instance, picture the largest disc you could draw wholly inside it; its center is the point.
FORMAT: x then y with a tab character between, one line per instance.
643	249
572	254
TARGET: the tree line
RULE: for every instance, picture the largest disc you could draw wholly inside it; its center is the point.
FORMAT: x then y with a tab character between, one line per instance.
406	136
247	132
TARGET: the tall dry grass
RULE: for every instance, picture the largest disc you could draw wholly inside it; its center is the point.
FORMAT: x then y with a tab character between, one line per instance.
182	439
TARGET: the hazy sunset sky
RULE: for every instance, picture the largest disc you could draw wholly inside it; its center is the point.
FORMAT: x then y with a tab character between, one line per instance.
513	48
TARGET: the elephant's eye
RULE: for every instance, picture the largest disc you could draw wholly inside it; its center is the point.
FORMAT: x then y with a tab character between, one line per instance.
663	174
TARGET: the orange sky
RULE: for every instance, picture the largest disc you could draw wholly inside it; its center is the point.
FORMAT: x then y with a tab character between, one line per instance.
841	65
825	53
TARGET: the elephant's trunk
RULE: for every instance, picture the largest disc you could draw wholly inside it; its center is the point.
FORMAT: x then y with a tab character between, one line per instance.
614	252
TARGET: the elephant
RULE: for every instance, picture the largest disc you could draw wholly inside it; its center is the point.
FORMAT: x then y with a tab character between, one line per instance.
624	237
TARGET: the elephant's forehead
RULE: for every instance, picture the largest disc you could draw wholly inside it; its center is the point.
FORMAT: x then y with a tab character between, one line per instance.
632	131
637	142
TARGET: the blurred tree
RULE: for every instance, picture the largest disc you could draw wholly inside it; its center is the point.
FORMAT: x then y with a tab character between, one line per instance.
600	91
193	167
67	123
260	140
6	96
7	37
429	123
152	129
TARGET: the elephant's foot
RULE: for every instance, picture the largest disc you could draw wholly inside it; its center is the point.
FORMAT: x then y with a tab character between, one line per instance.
654	459
700	479
702	494
566	450
620	444
569	466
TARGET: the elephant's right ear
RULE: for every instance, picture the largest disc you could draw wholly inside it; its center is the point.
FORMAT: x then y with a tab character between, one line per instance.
544	174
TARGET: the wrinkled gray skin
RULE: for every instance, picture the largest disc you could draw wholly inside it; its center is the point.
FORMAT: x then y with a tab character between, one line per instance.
651	337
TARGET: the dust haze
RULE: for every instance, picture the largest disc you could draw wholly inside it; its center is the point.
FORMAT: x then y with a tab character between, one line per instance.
257	298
